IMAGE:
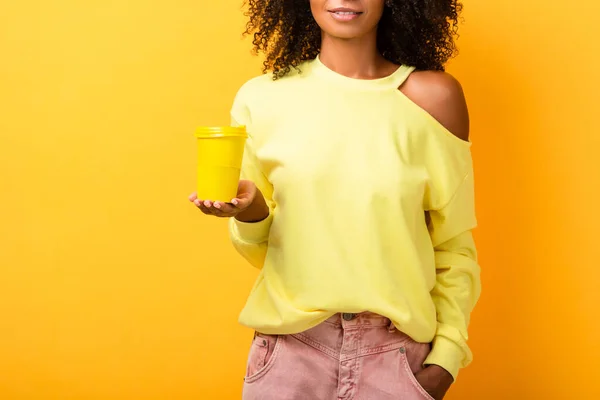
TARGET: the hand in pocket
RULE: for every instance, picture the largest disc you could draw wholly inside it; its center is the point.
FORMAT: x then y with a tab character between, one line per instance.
435	380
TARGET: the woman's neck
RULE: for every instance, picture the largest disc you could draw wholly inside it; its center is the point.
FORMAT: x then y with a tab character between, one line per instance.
355	58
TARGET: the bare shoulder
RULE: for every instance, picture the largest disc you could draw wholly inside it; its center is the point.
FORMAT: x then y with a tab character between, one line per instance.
441	95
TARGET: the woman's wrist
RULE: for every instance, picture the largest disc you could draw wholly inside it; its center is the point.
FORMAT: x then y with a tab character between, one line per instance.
256	212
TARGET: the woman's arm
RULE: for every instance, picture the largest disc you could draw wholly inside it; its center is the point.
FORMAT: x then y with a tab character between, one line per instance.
249	230
457	286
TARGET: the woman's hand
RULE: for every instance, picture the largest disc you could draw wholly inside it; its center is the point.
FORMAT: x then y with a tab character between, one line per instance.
435	380
248	206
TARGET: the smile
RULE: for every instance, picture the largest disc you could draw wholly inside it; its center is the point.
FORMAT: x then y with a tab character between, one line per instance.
344	14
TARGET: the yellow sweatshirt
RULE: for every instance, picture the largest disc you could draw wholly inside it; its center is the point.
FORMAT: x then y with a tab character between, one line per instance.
371	204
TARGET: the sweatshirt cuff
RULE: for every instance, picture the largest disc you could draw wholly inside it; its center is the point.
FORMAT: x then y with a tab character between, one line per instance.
252	232
446	354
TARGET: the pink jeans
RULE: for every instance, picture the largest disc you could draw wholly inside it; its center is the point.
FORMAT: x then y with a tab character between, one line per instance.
348	357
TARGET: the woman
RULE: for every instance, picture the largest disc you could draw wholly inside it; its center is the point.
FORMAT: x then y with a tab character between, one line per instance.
356	202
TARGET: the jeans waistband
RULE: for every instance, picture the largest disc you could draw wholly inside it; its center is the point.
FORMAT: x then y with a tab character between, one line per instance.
347	320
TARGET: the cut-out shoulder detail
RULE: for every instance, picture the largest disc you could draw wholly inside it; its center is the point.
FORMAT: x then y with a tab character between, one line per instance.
440	95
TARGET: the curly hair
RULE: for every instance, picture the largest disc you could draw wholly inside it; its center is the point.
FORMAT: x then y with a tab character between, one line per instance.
419	33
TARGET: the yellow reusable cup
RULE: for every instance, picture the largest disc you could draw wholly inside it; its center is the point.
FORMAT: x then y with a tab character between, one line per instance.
220	153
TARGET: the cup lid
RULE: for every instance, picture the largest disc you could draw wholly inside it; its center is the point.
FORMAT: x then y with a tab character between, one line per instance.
220	131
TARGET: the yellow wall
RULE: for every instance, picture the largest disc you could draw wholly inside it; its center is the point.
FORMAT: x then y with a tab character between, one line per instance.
113	287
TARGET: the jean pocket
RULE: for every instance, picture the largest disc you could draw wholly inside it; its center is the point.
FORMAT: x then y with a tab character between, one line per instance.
263	352
406	365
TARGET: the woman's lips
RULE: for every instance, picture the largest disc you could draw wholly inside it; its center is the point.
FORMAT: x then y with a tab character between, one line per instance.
344	14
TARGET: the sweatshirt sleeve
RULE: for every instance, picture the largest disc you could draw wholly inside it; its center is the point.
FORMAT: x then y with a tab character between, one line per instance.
458	284
251	239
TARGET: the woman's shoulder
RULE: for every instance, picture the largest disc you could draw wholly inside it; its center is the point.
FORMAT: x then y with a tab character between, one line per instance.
441	95
251	91
265	89
256	83
292	75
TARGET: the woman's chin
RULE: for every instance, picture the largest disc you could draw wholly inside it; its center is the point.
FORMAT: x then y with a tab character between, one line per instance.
346	33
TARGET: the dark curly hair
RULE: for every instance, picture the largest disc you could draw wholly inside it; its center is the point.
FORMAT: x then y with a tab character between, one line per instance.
418	33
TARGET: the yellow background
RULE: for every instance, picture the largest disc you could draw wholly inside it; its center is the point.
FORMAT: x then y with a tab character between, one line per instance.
112	286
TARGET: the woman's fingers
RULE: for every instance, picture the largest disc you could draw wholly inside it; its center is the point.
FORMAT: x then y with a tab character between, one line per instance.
203	208
217	208
221	208
201	204
241	202
225	208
